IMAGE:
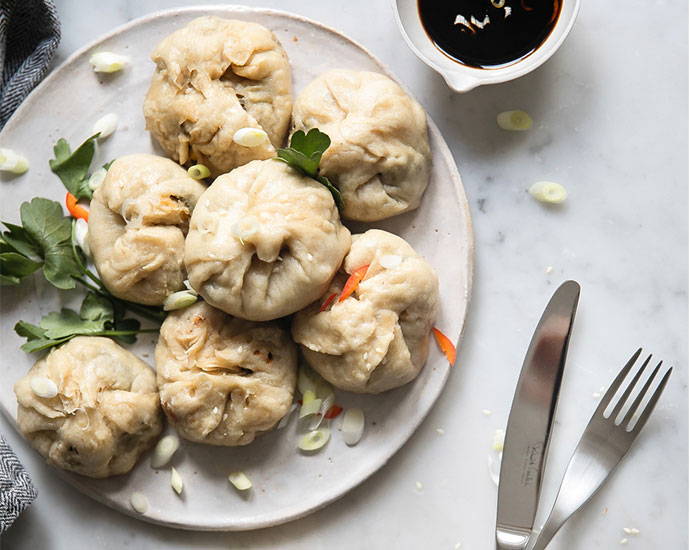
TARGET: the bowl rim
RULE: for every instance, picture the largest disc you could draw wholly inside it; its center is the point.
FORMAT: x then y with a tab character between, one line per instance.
472	77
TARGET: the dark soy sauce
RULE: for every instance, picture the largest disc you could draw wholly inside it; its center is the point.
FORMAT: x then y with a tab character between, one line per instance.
488	33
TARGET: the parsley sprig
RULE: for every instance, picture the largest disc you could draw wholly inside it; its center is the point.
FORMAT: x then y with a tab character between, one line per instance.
72	167
46	241
304	154
98	316
43	240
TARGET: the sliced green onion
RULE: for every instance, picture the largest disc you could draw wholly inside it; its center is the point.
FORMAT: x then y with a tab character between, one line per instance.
353	426
176	481
12	162
108	62
139	502
314	440
164	451
96	179
81	234
516	121
304	380
189	287
308	379
198	171
250	137
310	404
105	125
43	387
240	481
549	192
326	403
498	3
180	300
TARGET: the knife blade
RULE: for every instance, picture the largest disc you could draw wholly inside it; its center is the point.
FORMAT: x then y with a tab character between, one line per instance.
531	418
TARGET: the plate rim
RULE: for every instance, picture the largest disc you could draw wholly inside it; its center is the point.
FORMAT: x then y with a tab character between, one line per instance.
267	520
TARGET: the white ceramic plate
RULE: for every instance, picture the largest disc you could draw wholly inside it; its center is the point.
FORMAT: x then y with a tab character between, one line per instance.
287	484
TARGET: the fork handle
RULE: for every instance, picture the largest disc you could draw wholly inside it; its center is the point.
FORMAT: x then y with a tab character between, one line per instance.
551	527
582	479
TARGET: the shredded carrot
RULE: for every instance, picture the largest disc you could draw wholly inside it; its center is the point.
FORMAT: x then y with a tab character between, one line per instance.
328	302
74	208
333	412
353	282
446	345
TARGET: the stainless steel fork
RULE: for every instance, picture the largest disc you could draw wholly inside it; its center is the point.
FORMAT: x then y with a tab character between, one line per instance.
602	446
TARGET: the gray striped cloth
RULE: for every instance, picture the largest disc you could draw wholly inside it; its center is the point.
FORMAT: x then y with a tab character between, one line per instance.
29	36
16	489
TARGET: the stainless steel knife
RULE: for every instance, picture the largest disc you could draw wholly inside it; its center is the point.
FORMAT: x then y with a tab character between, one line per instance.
531	418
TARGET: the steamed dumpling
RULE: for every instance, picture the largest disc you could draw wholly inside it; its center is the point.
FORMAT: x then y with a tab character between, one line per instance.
378	338
137	225
264	241
223	380
379	155
214	77
105	412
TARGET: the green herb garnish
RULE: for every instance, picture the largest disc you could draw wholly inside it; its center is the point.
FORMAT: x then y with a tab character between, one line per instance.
72	167
304	154
98	317
44	240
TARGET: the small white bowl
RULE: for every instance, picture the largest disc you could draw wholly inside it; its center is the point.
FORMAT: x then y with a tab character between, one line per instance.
463	78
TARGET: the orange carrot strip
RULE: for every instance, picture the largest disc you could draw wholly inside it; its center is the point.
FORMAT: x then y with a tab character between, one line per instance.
333	412
353	282
446	345
328	302
74	208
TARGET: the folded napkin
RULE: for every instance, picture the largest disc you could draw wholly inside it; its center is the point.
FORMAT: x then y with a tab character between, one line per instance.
16	489
29	36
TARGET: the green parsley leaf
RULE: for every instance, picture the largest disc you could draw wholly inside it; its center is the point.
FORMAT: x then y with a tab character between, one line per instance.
312	144
67	322
73	167
29	331
41	344
97	308
97	317
304	154
14	267
51	232
18	240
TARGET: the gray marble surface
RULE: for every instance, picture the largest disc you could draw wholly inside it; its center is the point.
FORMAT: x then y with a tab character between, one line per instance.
611	124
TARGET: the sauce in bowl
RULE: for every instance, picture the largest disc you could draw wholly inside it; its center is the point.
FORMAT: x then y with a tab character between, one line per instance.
488	34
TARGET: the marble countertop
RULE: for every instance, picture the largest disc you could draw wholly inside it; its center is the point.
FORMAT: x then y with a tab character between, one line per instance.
611	113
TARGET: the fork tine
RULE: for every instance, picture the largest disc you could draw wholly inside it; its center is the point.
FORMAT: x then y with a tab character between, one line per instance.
628	416
628	390
652	403
613	388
